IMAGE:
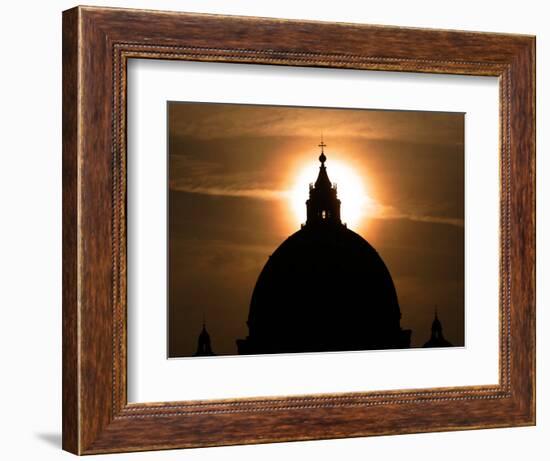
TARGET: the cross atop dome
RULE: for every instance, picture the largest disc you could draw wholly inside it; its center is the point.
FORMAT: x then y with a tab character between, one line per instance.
322	157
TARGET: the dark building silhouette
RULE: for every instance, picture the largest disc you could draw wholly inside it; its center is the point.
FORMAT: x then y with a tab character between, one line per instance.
324	289
437	339
204	348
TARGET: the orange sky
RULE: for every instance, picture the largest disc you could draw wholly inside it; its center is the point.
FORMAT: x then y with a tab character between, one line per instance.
233	172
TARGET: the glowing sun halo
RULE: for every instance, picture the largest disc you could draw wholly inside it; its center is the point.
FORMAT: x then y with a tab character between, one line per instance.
351	191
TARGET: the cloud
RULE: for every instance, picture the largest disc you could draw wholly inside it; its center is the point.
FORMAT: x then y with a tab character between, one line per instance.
210	178
389	212
222	150
218	121
375	210
263	194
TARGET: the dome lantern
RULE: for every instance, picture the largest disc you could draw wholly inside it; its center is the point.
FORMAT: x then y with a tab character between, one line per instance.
323	205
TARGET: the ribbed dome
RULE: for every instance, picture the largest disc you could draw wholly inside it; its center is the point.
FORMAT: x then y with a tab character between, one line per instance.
324	290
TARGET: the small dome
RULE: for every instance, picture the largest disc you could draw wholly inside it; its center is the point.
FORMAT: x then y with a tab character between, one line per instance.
437	339
204	348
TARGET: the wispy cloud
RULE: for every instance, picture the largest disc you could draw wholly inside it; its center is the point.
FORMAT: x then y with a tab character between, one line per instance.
375	209
200	121
263	194
389	212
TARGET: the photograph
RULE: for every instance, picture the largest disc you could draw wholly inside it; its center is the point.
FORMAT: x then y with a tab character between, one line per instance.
311	229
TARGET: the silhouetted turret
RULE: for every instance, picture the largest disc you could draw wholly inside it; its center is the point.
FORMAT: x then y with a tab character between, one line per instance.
323	206
437	339
204	347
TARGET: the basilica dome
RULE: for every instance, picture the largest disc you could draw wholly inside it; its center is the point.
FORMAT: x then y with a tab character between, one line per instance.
325	288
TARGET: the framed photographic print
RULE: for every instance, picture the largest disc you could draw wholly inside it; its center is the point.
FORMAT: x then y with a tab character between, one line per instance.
242	233
282	230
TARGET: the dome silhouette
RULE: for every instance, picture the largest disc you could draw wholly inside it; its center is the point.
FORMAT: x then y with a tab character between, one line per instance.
204	347
325	288
437	339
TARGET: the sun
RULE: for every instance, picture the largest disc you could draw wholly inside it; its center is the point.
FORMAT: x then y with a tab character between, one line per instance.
352	191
